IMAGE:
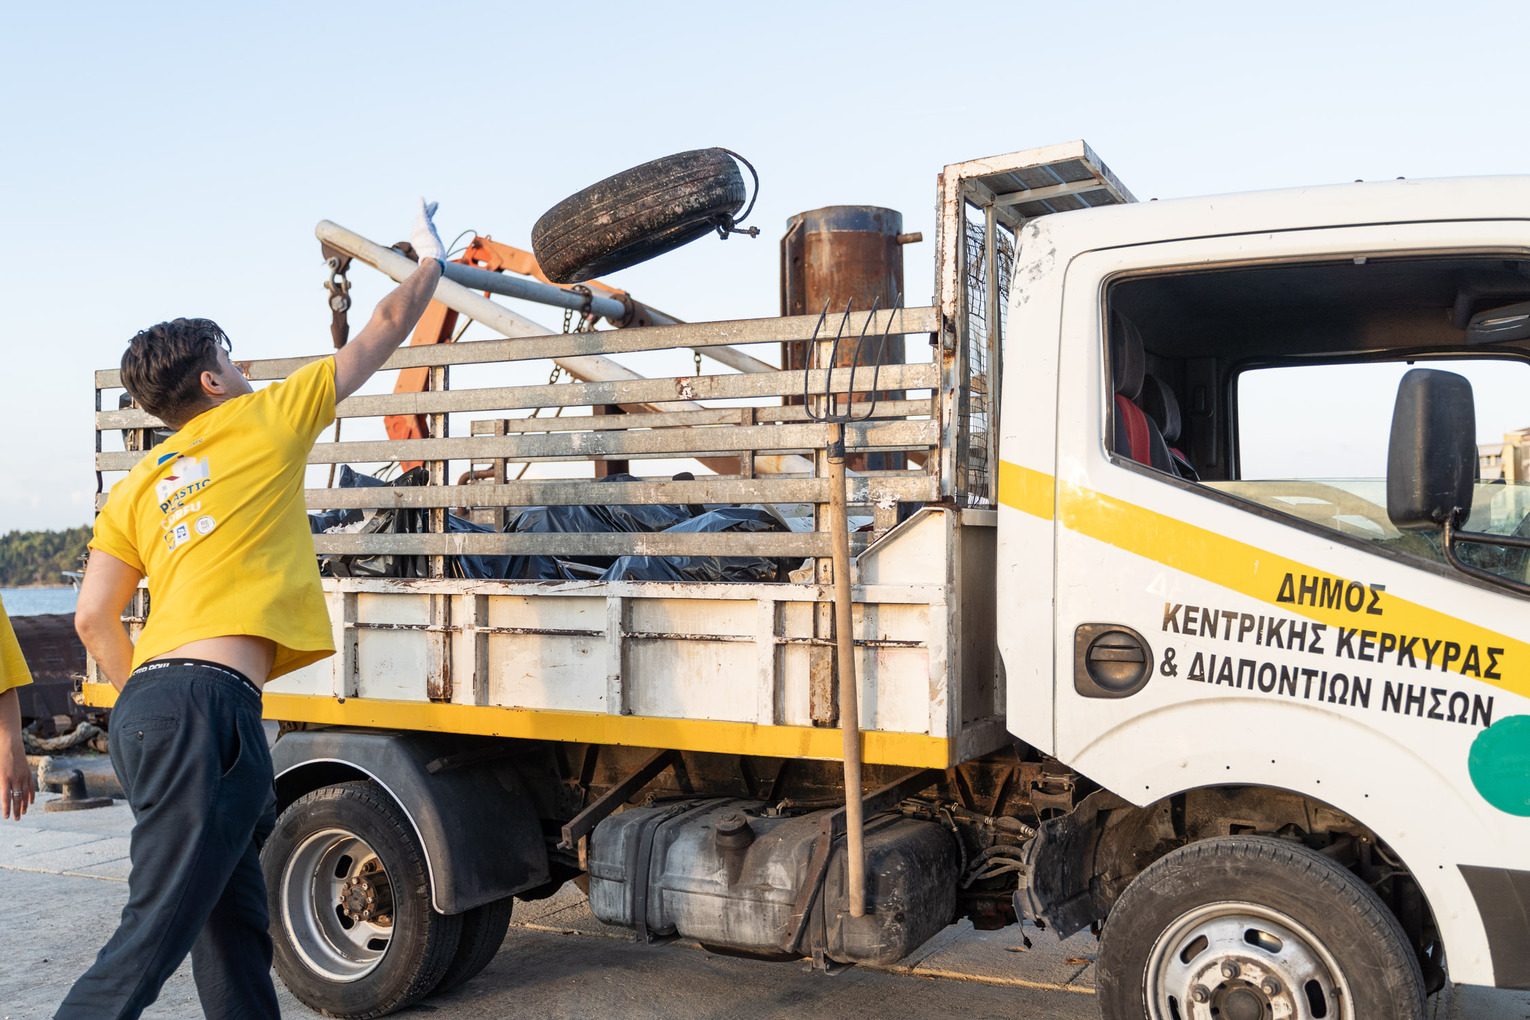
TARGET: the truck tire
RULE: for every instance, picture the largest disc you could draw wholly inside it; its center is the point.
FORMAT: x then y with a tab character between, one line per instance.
354	931
483	932
1246	926
637	214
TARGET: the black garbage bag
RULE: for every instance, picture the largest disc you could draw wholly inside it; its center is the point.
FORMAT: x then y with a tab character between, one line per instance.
646	516
546	568
710	568
556	520
385	522
585	520
485	567
348	478
411	522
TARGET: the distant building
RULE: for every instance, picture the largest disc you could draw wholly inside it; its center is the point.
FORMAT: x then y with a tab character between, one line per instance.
1509	461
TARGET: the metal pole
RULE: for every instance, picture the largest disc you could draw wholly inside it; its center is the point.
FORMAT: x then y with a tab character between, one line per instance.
849	689
532	290
737	359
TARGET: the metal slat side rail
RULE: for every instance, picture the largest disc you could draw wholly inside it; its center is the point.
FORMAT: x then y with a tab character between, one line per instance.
581	493
726	333
885	410
781	545
911	486
869	436
629	391
892	594
536	446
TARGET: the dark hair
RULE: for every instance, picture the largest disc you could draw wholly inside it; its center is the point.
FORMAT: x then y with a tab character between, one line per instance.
163	365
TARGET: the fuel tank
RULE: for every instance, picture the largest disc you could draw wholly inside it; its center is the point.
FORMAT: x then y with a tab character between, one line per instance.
725	874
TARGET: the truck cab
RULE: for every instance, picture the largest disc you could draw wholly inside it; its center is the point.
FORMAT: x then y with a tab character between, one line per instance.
1222	609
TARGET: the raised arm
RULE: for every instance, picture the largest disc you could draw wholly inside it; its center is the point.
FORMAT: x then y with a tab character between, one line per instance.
395	314
104	593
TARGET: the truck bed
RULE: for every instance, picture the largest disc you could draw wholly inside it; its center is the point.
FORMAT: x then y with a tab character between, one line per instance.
727	667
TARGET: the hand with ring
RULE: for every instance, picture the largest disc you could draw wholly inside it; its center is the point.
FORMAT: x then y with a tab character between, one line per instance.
16	783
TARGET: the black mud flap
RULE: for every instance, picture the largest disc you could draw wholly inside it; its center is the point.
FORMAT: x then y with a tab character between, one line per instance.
1057	887
476	823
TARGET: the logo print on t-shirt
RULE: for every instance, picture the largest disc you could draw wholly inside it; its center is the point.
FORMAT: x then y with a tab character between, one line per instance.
177	536
185	478
205	524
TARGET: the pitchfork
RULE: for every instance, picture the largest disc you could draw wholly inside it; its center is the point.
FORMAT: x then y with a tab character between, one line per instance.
839	530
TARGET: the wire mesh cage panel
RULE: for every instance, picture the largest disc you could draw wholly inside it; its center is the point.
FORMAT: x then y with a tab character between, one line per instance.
988	257
983	204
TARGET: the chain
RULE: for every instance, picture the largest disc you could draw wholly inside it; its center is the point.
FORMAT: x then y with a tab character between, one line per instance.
339	287
697	355
552	376
568	322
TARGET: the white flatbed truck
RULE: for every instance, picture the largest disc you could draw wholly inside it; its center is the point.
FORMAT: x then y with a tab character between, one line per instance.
1132	653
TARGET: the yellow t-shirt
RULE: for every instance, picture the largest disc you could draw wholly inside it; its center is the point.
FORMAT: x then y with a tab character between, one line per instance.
214	518
13	665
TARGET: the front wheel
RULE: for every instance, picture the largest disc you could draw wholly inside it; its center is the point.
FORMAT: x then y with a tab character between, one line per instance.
349	891
1250	928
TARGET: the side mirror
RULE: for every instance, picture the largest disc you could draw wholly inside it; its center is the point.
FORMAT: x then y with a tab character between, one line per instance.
1432	456
1499	325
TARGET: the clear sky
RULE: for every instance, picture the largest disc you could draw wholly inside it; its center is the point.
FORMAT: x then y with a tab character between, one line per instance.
172	159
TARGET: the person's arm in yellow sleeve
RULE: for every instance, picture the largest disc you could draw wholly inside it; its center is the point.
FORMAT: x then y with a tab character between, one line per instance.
104	593
16	784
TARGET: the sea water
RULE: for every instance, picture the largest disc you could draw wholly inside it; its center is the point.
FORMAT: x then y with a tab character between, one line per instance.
35	601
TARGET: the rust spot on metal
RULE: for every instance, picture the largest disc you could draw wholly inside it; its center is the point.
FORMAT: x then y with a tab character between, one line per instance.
823	691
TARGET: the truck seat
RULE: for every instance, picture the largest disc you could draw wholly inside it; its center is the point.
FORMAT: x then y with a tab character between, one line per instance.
1136	435
1162	408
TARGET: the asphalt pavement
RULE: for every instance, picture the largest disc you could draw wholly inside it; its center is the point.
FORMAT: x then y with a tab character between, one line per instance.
62	883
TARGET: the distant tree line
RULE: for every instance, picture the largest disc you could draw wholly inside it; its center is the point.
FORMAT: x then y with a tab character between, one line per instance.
41	557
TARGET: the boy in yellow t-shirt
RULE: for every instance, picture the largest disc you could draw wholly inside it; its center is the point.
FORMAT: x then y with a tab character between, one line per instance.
16	786
214	519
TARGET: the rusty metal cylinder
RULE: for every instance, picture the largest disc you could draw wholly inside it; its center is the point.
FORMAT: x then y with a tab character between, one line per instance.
842	254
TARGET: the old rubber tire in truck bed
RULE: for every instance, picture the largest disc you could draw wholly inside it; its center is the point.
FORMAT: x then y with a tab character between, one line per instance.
1254	926
351	918
637	214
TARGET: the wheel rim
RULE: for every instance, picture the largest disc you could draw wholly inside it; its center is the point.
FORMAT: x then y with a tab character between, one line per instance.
1243	961
337	904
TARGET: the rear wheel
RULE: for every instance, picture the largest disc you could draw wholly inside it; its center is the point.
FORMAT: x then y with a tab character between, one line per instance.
483	932
1249	928
354	931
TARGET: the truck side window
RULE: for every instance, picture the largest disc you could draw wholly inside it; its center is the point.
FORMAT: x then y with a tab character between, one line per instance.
1312	443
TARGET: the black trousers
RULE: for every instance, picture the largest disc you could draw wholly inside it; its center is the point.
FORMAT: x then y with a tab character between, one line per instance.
188	745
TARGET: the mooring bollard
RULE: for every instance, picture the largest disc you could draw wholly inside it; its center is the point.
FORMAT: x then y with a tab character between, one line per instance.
72	788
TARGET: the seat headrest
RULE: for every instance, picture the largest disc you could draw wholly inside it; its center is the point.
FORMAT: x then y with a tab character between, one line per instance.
1128	361
1160	404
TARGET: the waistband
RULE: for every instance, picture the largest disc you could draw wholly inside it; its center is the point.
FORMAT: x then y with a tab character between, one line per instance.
149	668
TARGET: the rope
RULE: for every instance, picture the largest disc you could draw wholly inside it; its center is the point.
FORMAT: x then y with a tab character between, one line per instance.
729	224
